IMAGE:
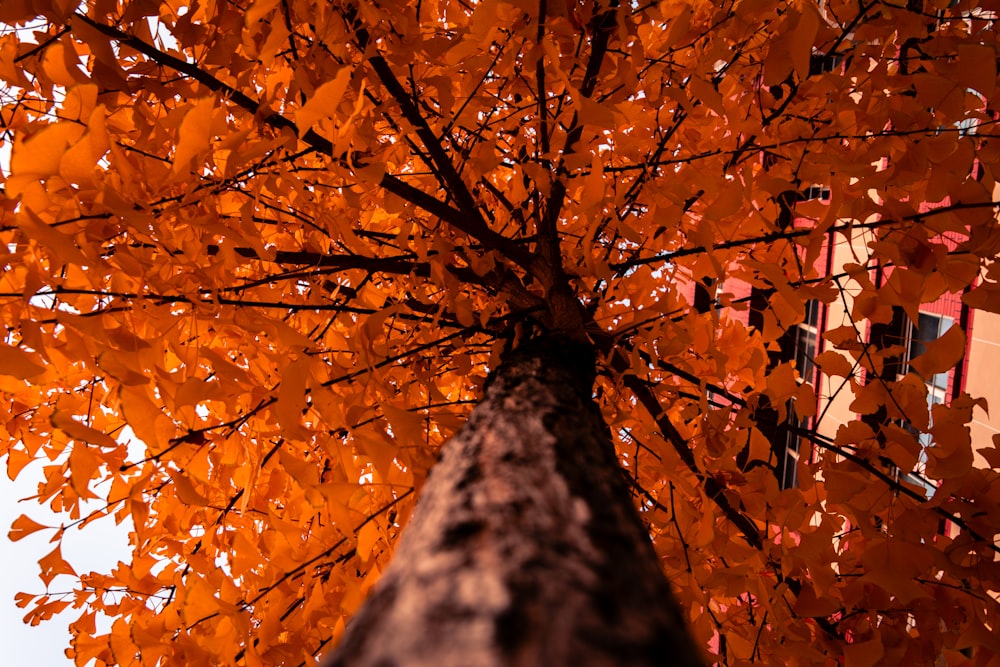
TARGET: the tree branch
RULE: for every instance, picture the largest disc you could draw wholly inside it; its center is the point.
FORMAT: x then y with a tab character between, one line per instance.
400	188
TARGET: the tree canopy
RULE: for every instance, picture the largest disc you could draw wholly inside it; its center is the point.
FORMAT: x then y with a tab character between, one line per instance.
260	256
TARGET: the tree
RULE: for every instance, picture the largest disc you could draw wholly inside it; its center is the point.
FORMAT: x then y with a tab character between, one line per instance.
261	258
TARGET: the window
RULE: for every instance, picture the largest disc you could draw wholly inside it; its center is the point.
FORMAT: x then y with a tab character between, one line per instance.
705	292
793	452
806	336
816	192
824	62
929	327
967	126
805	342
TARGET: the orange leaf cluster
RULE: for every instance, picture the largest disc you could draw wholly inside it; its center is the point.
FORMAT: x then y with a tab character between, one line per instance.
259	258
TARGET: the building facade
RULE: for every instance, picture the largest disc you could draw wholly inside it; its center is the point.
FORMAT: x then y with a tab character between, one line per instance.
908	334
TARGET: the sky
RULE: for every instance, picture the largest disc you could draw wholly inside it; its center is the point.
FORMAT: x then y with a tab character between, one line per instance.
96	548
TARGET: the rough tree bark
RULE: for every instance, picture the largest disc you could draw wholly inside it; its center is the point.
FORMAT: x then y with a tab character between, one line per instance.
524	548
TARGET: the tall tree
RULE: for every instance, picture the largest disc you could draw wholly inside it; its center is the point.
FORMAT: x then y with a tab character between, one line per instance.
260	258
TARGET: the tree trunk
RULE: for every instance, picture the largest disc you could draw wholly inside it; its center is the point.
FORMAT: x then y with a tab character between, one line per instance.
524	548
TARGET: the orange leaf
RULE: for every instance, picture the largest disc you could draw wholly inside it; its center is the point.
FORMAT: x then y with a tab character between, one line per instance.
985	297
805	401
901	447
809	604
195	133
22	600
186	492
863	654
39	156
711	98
17	458
304	472
59	244
54	62
407	427
942	354
802	37
977	68
18	363
843	337
52	565
145	417
74	429
379	449
853	433
292	395
199	600
953	465
679	25
84	462
24	526
592	190
79	163
834	363
868	398
324	101
367	537
781	383
258	10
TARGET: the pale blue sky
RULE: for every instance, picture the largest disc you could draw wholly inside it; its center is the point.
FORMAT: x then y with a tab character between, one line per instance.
98	547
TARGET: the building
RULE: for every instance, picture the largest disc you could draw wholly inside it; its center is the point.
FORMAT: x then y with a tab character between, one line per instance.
906	334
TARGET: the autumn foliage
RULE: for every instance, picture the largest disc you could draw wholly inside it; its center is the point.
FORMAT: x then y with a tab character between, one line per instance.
259	257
